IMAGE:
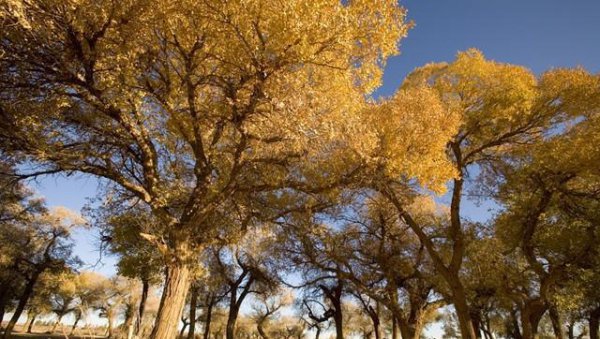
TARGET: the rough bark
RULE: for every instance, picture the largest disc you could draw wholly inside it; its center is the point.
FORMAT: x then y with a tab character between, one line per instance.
177	284
193	304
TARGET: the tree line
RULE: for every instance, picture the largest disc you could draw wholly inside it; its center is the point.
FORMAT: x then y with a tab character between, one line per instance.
241	151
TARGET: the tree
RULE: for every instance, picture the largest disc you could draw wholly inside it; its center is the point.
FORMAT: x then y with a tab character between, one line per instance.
189	113
498	108
47	249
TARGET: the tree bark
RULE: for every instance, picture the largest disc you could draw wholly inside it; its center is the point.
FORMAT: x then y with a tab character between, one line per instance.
208	318
142	308
20	306
172	302
594	323
193	304
394	328
3	297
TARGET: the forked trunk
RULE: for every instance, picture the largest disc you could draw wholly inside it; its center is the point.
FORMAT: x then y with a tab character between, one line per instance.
177	284
530	318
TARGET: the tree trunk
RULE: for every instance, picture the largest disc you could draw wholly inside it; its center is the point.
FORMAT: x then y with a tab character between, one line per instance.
394	328
556	322
467	330
77	318
530	318
142	308
3	297
231	320
406	330
261	330
177	283
193	304
594	322
185	325
31	322
20	307
338	318
56	323
208	319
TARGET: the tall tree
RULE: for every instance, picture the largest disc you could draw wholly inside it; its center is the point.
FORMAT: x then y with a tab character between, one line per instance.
192	108
499	107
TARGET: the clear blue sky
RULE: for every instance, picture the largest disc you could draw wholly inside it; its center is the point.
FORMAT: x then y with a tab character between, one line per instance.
539	34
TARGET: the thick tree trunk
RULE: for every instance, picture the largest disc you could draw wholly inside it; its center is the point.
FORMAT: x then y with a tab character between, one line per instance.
594	323
467	330
406	331
556	322
177	284
208	319
31	322
142	308
193	304
20	307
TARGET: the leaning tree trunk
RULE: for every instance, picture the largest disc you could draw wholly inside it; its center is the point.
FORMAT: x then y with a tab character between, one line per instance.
31	322
77	318
20	307
193	303
177	284
56	323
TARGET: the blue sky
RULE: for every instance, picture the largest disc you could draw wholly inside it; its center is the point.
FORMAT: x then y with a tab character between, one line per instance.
539	34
